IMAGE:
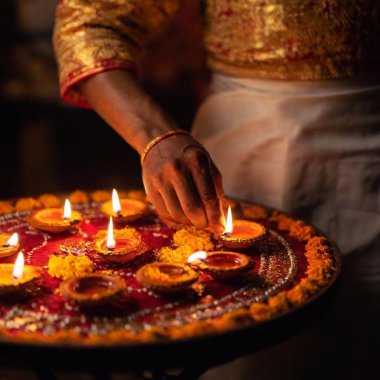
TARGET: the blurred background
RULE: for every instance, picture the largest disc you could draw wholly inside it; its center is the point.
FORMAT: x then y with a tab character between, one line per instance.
48	146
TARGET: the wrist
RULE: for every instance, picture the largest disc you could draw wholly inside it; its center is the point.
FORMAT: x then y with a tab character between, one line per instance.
145	135
157	140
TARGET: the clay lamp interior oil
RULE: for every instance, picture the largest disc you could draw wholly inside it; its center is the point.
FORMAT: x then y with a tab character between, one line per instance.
93	290
124	210
119	246
166	277
220	264
9	244
241	234
18	279
56	220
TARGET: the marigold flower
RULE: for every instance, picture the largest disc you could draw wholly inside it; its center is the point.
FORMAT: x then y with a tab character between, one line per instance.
6	208
283	221
175	255
138	195
255	212
69	266
100	196
301	231
50	200
198	240
27	204
78	196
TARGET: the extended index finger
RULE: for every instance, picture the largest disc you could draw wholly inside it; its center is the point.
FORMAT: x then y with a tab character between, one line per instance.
208	190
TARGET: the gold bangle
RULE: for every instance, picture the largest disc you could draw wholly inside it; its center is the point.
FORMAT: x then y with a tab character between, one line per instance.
158	139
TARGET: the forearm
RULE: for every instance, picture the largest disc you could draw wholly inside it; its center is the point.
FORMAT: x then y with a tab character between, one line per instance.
118	98
178	174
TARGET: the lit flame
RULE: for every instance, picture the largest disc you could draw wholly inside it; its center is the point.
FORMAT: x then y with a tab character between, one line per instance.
67	210
19	266
13	240
111	243
197	256
229	222
116	207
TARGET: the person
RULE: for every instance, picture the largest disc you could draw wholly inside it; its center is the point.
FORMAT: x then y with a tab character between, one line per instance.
179	176
292	119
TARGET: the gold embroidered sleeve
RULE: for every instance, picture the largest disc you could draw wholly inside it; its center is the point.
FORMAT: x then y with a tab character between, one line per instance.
92	36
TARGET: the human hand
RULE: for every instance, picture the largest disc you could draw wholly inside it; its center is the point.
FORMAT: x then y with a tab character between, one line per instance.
179	176
184	184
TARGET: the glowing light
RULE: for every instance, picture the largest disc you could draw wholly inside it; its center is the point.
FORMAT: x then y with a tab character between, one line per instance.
111	243
67	210
229	222
116	207
197	256
19	266
13	240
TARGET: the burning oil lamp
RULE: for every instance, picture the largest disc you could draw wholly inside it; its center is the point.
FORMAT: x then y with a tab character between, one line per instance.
54	220
9	244
18	279
124	210
241	233
165	277
221	264
93	290
120	245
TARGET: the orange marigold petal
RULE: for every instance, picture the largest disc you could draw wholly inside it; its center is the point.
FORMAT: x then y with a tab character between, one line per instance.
100	196
6	208
78	196
27	204
50	200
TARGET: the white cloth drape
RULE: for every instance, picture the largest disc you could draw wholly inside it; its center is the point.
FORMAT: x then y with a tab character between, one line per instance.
309	148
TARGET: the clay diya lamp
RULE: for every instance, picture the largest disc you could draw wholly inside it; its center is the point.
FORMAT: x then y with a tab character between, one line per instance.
18	280
119	246
55	220
221	264
241	234
166	277
9	244
124	210
93	290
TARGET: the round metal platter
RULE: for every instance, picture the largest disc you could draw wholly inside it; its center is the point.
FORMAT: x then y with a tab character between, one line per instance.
278	261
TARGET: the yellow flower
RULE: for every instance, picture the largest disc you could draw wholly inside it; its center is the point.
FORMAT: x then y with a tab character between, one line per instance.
78	196
255	212
69	266
198	240
50	200
101	196
175	255
26	204
5	208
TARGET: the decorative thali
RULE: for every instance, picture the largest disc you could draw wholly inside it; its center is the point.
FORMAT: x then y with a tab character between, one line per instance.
292	264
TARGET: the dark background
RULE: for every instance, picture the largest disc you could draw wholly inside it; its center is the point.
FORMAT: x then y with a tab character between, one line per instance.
48	146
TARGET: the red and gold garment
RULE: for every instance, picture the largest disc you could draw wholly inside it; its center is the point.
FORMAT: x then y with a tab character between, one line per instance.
269	39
